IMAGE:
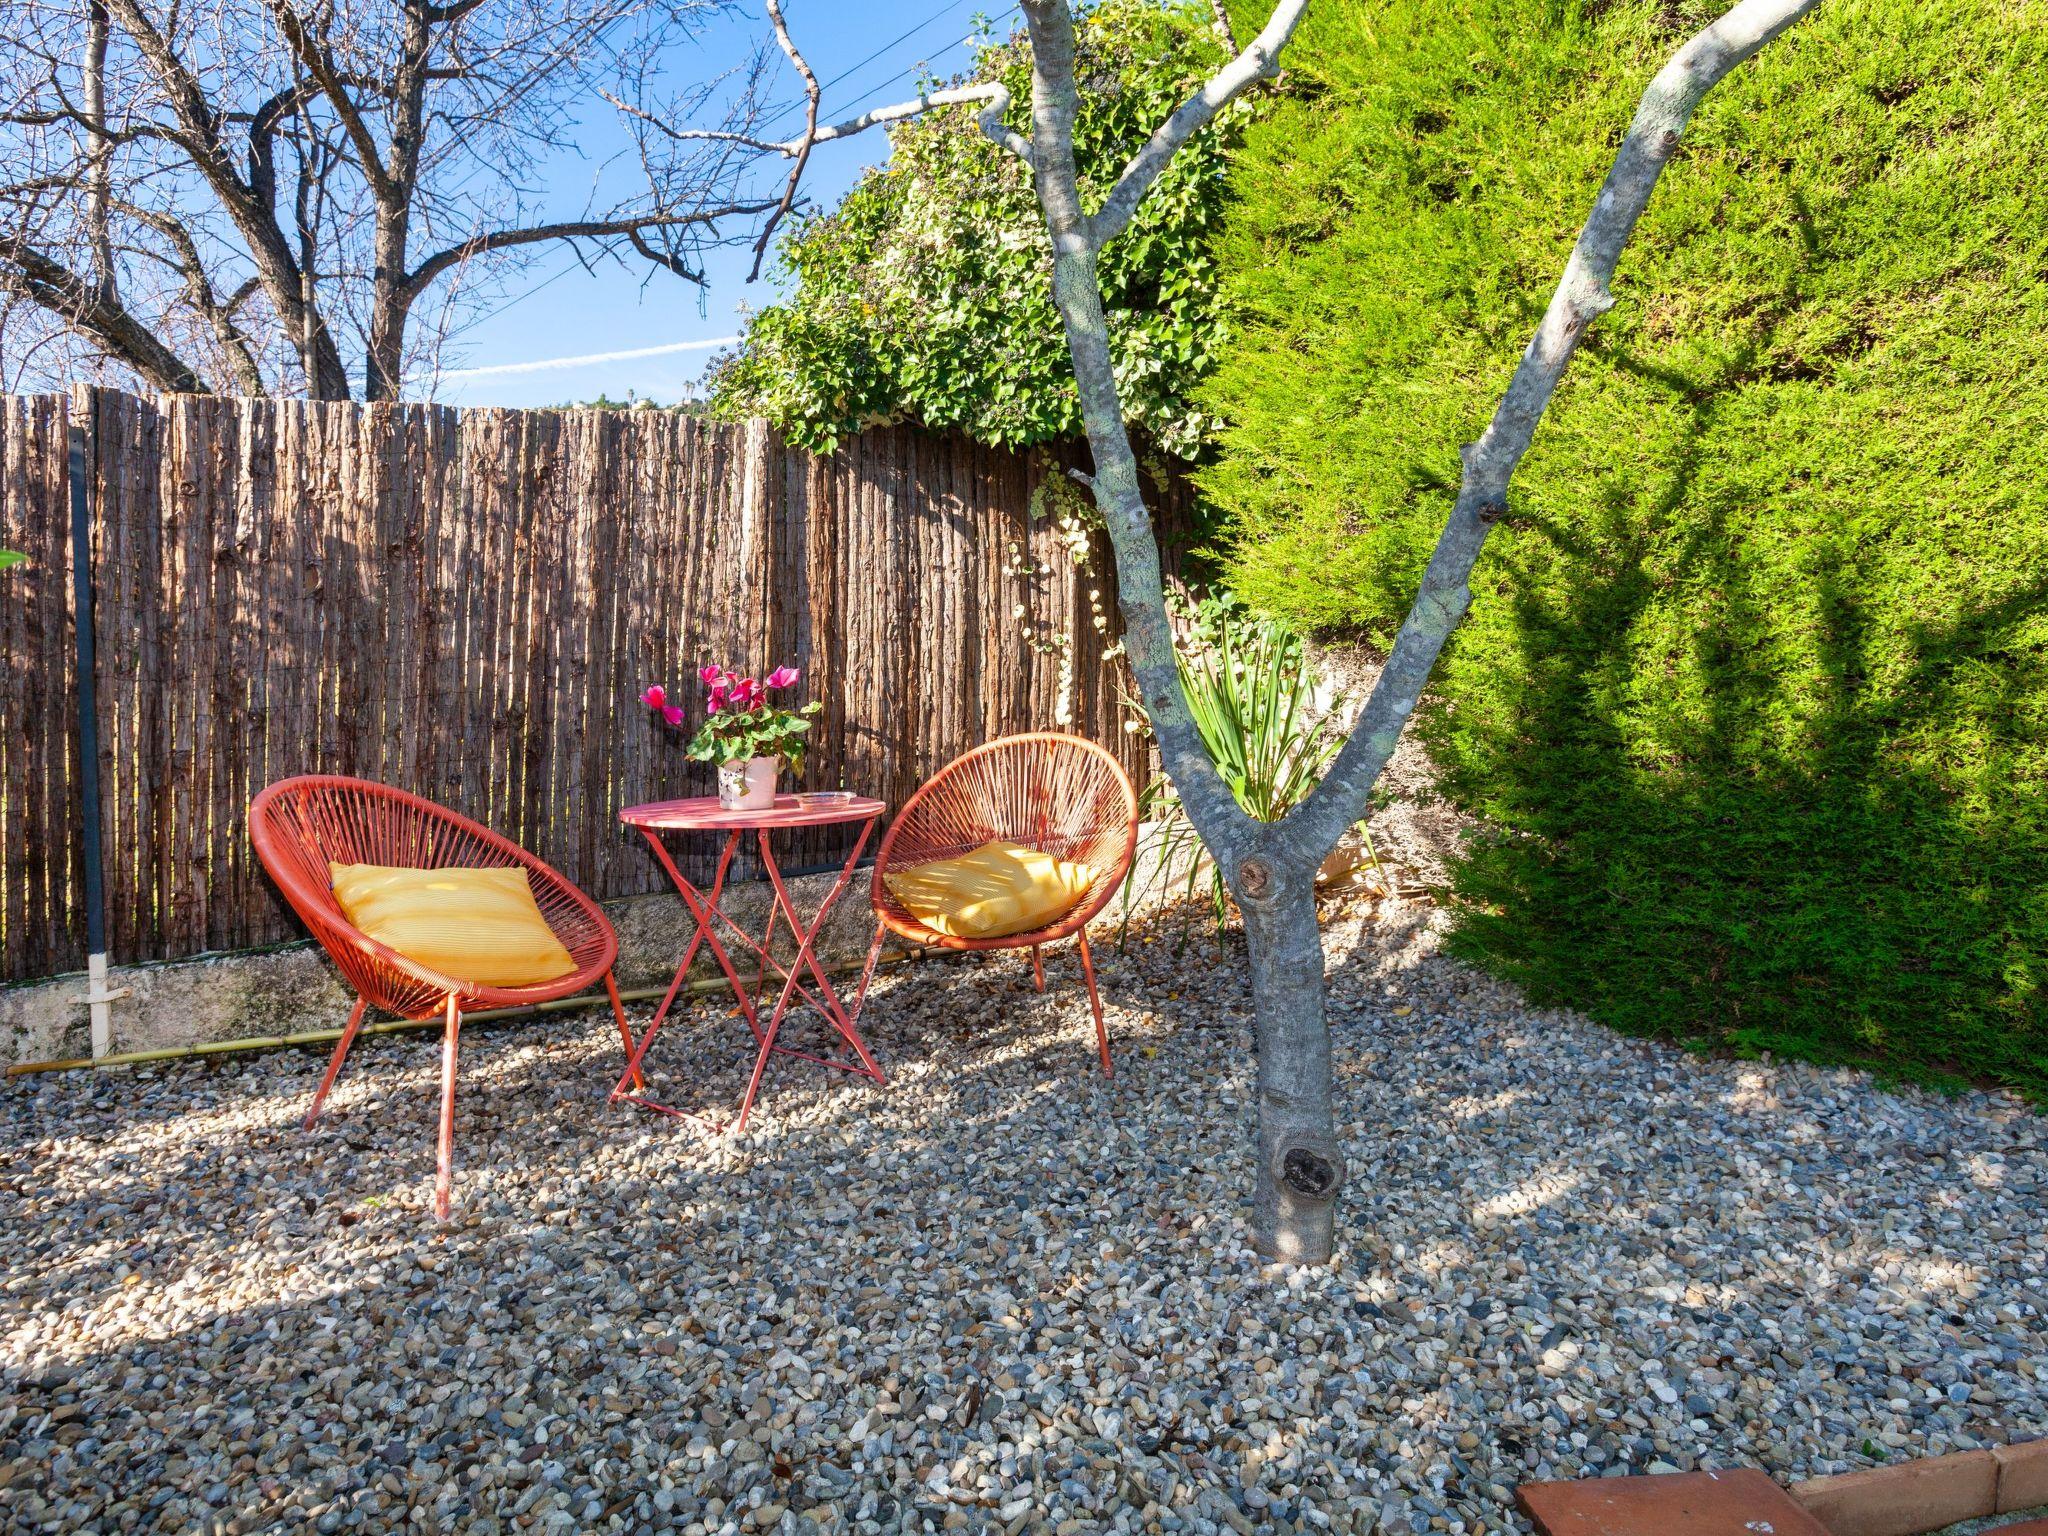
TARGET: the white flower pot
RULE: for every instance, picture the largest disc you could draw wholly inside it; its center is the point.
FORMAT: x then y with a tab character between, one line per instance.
748	785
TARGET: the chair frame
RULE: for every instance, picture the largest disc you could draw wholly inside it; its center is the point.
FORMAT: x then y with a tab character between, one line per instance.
299	825
1106	844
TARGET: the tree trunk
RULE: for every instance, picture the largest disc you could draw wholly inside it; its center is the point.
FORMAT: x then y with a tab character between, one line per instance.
99	156
1272	866
384	357
1299	1170
391	288
1300	1167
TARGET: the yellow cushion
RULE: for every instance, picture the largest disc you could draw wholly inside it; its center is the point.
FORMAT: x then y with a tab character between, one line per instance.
476	925
998	889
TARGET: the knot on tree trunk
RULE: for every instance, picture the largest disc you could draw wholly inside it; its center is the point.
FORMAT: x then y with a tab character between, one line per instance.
1255	879
1309	1169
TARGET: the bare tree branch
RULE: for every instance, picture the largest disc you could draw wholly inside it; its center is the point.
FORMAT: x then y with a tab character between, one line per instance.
33	275
990	121
638	240
992	92
993	96
219	317
319	64
1221	12
1260	60
573	229
99	153
1582	296
809	137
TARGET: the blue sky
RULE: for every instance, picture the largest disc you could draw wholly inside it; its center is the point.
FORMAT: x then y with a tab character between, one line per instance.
868	55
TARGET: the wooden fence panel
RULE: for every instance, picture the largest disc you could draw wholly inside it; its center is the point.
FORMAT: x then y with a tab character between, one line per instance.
39	803
468	603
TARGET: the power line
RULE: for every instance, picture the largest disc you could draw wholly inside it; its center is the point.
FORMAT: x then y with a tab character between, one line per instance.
570	266
877	90
853	69
905	37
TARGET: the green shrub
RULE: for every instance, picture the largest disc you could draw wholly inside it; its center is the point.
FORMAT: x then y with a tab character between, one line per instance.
1752	694
923	296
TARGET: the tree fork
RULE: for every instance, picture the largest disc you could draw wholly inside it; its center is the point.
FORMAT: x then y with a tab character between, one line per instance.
1272	866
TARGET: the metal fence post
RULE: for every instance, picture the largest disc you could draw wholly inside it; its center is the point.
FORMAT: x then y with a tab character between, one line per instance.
99	998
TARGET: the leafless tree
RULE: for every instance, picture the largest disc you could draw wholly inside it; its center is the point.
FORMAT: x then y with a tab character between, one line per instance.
1271	866
257	195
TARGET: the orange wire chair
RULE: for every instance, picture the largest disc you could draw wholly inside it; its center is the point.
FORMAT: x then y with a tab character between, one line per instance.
300	825
1047	791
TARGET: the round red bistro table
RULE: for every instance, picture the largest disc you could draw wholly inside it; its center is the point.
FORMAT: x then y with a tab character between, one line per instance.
705	814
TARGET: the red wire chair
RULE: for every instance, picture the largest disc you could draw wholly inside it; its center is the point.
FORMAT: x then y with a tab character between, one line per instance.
1046	790
300	825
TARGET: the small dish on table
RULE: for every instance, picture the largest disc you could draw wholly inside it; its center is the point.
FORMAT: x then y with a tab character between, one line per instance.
824	799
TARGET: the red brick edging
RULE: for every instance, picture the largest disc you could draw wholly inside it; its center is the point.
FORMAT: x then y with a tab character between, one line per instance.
1927	1494
1909	1499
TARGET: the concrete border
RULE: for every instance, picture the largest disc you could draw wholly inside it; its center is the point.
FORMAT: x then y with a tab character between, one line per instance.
294	988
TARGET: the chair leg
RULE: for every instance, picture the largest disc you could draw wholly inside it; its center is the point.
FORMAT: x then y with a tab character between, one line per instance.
1095	1002
348	1036
1038	966
867	973
611	986
444	1179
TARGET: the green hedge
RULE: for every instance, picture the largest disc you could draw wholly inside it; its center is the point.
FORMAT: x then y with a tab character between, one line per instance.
1753	691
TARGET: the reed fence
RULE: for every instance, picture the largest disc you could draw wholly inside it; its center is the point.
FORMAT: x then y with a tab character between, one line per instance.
465	603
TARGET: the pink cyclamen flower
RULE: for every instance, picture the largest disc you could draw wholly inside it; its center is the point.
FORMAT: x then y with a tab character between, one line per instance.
673	715
715	700
708	674
783	677
655	697
746	693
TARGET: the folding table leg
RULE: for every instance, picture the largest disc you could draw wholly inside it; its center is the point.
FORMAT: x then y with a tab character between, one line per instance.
767	1050
807	952
444	1178
1038	966
348	1035
703	923
767	951
701	909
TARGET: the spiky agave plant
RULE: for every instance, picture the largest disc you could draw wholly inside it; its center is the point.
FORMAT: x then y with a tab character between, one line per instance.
1252	693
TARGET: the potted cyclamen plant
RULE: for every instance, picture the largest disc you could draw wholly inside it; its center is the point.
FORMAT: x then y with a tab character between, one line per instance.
746	736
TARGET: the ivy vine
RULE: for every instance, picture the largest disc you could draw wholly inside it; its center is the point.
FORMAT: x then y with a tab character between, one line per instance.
922	296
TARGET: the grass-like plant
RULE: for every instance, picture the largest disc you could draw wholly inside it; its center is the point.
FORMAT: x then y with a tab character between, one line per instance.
1253	695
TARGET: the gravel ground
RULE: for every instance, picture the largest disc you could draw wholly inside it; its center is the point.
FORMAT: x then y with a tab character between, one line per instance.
999	1293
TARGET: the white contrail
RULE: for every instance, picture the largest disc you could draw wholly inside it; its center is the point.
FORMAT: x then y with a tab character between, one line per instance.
542	365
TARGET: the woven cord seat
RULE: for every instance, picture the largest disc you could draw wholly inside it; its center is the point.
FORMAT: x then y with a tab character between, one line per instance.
301	826
1047	791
